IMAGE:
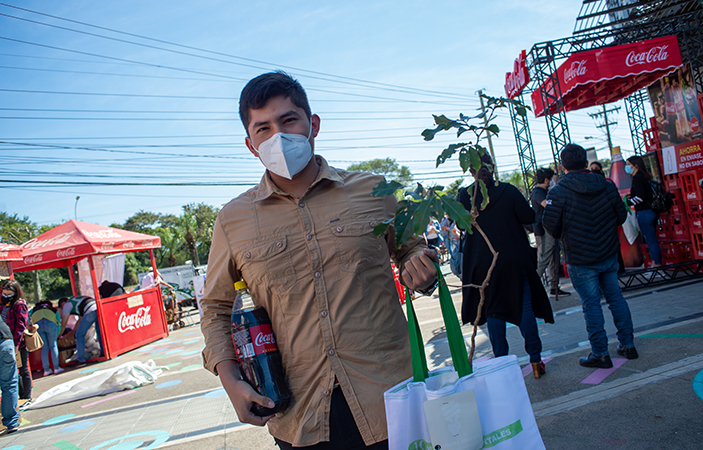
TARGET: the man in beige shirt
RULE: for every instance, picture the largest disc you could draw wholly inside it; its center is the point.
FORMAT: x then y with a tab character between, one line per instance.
303	241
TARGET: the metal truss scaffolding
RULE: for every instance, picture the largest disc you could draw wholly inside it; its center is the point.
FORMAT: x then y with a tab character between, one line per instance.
604	23
637	118
528	162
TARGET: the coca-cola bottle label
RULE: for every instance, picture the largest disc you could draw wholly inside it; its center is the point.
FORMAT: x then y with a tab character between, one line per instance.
262	338
242	344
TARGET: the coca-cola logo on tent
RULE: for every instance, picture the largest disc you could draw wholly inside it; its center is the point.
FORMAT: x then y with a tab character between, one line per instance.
36	243
107	245
102	234
140	318
128	244
64	252
577	69
33	259
654	54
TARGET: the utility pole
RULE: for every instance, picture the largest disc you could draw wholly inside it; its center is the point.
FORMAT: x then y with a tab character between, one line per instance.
606	124
488	135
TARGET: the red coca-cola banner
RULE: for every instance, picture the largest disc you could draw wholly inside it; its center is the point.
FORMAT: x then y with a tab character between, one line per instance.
609	74
132	320
683	158
516	80
9	252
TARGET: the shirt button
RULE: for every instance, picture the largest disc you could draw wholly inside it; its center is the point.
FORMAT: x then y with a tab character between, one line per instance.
372	224
309	237
327	392
339	229
323	313
279	244
301	204
330	352
318	274
248	255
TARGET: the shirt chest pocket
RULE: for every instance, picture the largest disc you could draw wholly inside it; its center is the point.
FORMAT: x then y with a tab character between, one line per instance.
269	261
355	243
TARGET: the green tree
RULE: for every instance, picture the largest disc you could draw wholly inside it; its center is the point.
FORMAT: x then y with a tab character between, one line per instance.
205	216
171	242
386	167
516	179
453	188
189	226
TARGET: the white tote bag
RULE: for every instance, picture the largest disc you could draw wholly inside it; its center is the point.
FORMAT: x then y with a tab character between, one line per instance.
505	413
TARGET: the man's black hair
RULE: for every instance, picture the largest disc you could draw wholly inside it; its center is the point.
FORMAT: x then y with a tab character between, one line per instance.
597	163
261	89
543	173
573	157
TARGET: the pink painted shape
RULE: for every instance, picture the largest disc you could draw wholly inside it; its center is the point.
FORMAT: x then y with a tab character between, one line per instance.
599	375
528	368
192	356
109	398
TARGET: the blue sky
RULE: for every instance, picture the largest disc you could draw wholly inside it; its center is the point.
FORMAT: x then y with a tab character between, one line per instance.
77	107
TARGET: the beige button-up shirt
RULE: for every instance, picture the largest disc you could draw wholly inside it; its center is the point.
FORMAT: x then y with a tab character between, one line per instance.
325	280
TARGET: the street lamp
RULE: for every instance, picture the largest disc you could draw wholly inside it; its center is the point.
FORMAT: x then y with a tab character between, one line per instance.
75	207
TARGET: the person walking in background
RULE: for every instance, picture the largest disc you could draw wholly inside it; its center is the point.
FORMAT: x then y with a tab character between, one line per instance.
15	313
515	293
547	248
641	198
8	380
584	211
48	321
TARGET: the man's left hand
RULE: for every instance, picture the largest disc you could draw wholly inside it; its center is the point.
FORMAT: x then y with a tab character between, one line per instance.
419	273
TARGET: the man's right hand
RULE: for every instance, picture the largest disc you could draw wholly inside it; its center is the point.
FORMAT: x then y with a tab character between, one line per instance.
241	394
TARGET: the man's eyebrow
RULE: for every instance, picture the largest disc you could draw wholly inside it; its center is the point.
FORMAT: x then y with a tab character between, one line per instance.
291	112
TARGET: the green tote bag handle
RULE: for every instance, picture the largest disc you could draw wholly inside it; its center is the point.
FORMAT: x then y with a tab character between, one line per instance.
457	348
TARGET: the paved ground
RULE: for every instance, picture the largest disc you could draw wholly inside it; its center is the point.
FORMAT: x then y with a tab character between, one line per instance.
653	402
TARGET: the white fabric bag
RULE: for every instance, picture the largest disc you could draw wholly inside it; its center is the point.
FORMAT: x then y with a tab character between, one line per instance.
506	416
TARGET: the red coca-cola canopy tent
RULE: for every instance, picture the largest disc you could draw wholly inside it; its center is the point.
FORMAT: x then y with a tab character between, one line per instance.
65	244
609	74
9	252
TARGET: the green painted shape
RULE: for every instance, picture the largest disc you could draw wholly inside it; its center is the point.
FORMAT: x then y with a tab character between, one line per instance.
65	445
173	364
420	444
672	336
502	434
192	366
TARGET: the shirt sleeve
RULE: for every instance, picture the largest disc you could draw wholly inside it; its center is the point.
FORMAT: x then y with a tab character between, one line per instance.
217	302
21	320
552	216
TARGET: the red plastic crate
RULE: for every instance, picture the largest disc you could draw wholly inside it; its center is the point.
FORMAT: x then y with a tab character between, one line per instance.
697	244
646	257
671	182
675	252
677	206
694	214
690	185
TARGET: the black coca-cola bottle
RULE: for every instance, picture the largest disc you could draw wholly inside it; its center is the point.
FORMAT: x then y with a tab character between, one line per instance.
257	354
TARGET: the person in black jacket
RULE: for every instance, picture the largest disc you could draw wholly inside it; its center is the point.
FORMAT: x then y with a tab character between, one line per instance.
515	293
584	211
641	198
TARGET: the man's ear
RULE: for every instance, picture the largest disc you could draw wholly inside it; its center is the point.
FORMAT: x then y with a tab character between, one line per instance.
250	146
315	119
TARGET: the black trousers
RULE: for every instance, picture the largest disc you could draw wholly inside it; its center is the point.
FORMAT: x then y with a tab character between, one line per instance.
344	435
25	380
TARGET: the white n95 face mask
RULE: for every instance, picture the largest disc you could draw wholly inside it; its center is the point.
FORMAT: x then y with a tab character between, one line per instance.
285	154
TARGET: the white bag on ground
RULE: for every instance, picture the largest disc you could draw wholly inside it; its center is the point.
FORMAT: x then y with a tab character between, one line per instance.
125	376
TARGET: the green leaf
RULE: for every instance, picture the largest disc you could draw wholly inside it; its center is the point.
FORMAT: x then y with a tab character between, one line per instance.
422	215
385	188
475	157
484	194
457	213
403	224
521	110
493	129
380	229
444	120
465	160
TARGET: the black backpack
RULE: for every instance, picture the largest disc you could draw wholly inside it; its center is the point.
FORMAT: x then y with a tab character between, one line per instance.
662	201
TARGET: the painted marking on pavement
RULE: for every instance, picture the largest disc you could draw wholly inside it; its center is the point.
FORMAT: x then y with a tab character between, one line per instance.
108	399
175	350
14	447
65	445
173	364
192	356
599	375
191	332
528	368
161	437
192	341
192	366
92	369
58	419
672	336
191	352
216	393
78	426
168	384
698	385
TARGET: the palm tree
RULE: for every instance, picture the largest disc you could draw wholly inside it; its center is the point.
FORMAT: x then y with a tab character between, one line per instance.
189	224
171	241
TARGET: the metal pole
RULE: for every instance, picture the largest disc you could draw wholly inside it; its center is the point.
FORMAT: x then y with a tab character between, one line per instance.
75	207
488	135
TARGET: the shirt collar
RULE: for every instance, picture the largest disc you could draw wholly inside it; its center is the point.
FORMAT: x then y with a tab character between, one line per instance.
266	187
